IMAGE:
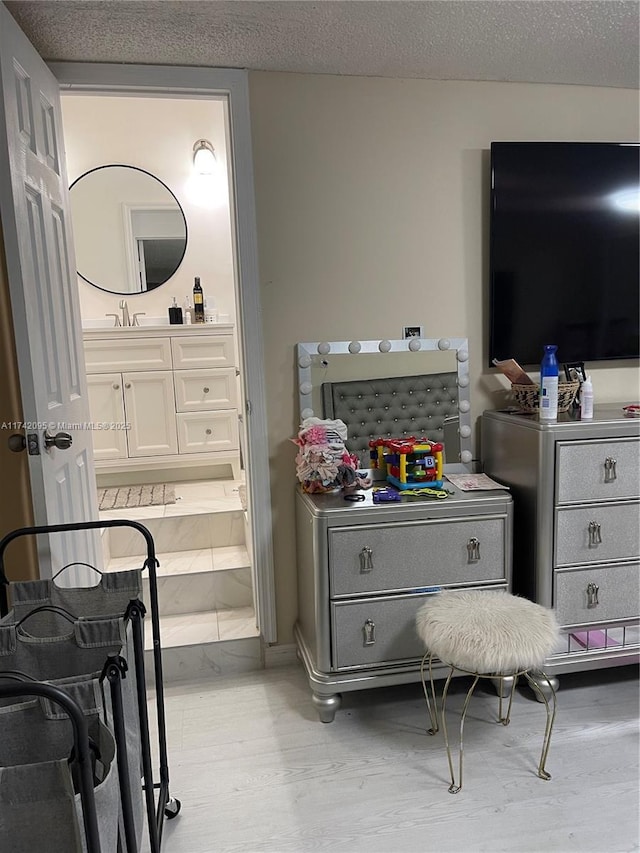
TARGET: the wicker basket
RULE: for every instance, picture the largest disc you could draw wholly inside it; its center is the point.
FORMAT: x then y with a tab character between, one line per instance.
527	396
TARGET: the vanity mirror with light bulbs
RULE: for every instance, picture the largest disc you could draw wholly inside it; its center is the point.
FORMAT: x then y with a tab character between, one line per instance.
365	568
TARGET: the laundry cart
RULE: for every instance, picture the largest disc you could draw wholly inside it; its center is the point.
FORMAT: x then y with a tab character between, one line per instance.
70	635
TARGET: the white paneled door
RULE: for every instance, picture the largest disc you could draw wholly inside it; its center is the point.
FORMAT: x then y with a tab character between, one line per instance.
34	209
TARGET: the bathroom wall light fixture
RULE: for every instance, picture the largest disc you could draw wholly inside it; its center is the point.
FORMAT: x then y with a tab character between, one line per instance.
204	157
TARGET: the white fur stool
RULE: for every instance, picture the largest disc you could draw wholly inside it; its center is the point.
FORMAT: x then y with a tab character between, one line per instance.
487	634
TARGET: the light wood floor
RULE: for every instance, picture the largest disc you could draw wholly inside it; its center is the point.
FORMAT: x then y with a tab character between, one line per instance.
256	771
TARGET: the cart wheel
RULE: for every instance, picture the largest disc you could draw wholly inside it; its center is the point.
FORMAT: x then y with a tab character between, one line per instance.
172	808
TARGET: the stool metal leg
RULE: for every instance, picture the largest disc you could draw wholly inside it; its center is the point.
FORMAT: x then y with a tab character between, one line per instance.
512	680
453	788
551	715
433	710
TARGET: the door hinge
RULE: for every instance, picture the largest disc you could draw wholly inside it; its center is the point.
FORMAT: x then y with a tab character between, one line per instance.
247	406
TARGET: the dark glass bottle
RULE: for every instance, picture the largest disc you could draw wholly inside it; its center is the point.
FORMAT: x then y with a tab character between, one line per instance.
198	302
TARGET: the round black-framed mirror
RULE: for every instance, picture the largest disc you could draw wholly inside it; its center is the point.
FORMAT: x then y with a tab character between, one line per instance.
130	231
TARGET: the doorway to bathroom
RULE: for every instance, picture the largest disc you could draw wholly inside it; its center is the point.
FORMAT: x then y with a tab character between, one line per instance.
215	583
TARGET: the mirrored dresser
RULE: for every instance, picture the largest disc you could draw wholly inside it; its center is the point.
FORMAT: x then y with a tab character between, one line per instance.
365	568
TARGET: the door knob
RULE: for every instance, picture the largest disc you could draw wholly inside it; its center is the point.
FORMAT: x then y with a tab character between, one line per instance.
17	442
61	440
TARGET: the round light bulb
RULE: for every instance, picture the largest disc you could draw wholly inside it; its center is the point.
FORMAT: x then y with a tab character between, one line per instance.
465	431
463	381
324	348
464	406
384	346
355	346
444	343
305	360
466	456
306	388
414	344
462	355
306	413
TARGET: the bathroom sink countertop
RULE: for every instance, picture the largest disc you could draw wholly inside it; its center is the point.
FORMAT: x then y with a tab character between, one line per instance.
149	330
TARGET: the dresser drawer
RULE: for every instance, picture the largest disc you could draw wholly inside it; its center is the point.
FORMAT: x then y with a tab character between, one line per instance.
135	354
207	432
411	556
618	529
203	390
376	631
202	351
597	470
618	594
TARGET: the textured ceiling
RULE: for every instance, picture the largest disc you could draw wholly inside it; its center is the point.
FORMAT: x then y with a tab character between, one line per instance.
588	42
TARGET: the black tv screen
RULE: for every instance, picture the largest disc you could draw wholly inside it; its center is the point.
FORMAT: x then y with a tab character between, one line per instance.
564	250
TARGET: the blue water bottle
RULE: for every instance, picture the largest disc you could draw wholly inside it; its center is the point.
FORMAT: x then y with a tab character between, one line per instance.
549	384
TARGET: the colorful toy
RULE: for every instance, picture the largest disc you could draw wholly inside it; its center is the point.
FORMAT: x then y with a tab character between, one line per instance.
409	463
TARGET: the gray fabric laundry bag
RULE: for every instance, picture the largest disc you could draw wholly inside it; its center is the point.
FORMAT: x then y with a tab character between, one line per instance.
40	809
63	651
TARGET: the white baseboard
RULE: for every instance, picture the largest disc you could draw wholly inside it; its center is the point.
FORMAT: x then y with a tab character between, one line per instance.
279	655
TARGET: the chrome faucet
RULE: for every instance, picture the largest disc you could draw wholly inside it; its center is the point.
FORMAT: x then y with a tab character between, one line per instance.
125	312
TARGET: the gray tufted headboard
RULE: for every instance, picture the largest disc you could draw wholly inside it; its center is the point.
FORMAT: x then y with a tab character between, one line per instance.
398	406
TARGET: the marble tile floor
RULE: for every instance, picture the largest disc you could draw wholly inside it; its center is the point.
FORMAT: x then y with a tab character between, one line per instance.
201	496
257	773
204	591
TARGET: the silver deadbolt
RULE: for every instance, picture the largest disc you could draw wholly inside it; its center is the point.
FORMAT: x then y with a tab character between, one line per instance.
61	440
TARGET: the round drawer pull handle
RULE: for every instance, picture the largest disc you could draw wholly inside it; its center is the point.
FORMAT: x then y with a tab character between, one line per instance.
208	431
206	390
115	386
127	385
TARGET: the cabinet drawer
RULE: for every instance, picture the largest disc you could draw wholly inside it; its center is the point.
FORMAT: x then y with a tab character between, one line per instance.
618	530
203	390
376	631
136	354
207	432
585	474
410	556
203	351
618	594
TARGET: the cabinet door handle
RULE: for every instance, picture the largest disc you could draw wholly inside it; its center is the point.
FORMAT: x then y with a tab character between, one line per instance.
127	385
592	595
610	470
595	534
369	632
208	431
206	390
115	386
473	549
366	560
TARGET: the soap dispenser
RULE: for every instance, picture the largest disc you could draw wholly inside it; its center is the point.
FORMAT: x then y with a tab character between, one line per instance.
175	314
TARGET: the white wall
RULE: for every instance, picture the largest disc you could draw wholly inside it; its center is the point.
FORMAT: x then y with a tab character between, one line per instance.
158	134
372	202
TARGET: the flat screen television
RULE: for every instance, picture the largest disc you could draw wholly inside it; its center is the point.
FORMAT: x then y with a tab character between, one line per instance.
564	250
